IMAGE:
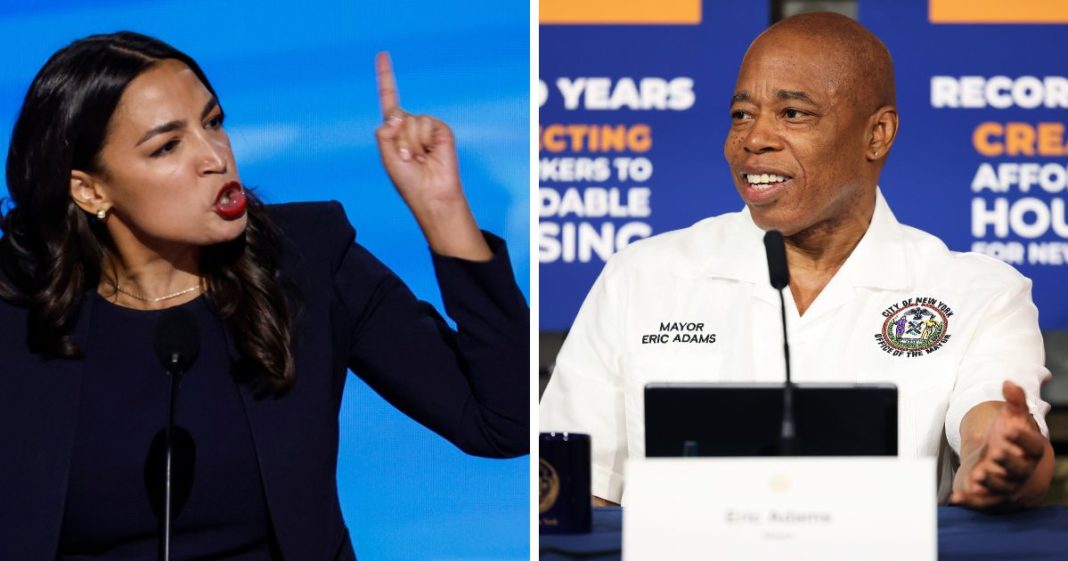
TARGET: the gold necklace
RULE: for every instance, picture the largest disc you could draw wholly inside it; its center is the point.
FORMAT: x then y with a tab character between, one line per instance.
142	298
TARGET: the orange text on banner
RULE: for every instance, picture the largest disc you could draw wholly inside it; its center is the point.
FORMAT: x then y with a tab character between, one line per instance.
662	12
595	138
1020	139
998	11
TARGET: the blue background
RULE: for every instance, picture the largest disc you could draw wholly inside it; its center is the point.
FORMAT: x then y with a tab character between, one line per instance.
928	176
691	179
297	82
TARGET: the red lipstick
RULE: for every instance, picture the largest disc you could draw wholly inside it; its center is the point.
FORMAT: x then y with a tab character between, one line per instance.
230	202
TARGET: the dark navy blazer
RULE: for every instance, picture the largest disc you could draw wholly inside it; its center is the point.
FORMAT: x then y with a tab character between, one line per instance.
469	386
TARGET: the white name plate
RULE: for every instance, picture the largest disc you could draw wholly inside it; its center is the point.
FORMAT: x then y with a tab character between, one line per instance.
779	509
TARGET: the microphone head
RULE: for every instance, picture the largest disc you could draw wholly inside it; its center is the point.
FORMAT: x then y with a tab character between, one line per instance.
177	340
775	247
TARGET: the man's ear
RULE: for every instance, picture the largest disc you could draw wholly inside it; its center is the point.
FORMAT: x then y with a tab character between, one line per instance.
86	192
883	130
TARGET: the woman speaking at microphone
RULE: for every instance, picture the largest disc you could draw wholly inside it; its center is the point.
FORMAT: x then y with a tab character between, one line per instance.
126	201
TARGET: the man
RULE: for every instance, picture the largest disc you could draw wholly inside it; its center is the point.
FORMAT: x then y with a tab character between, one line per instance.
813	119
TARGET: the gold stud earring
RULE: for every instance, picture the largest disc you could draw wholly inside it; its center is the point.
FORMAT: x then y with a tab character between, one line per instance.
102	213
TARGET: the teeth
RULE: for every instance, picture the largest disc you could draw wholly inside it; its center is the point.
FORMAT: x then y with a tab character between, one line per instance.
756	179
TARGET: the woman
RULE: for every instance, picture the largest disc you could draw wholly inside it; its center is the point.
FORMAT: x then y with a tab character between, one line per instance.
127	201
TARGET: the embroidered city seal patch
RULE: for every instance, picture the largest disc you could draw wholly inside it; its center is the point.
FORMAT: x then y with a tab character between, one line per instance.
914	327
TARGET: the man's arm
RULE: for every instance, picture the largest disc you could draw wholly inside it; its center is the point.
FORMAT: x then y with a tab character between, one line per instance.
1006	462
585	391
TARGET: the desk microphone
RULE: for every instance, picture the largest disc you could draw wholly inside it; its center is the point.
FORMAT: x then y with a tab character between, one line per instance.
177	346
775	247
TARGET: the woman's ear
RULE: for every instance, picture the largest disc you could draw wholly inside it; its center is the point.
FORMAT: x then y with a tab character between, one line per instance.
85	191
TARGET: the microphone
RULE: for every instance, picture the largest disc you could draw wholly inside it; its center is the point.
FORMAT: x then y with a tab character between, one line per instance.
775	247
177	347
177	340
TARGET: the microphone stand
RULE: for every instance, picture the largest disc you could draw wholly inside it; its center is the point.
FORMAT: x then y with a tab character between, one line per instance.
779	273
174	371
177	346
789	434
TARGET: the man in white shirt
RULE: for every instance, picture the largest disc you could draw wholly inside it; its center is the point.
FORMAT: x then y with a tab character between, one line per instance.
870	300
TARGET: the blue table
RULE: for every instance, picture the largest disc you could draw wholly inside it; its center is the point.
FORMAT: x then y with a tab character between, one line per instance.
963	535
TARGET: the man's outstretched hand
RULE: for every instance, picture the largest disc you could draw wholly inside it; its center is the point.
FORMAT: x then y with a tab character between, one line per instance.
1007	466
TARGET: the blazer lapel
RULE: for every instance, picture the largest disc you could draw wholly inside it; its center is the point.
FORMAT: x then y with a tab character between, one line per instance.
38	422
296	459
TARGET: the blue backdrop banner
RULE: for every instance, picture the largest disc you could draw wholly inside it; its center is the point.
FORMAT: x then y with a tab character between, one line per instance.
982	157
633	116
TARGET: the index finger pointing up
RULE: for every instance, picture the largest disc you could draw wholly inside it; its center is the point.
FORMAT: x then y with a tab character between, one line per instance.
387	85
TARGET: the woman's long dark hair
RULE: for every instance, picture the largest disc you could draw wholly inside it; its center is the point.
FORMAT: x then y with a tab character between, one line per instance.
51	251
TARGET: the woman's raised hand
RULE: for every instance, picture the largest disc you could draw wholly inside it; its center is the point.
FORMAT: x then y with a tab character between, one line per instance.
419	154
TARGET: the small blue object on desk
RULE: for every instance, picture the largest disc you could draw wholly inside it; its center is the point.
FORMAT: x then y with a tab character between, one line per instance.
963	535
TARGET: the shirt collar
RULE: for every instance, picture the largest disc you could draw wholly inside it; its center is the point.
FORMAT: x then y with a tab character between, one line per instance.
878	261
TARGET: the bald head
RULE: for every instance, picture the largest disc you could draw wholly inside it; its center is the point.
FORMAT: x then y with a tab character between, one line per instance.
812	122
855	58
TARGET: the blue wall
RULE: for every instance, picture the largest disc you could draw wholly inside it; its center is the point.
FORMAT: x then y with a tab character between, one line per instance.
298	85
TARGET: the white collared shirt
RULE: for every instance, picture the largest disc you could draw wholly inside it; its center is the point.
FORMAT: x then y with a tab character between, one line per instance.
968	318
